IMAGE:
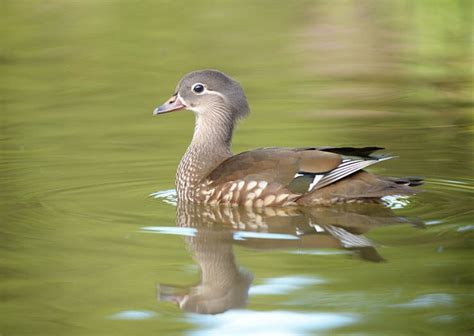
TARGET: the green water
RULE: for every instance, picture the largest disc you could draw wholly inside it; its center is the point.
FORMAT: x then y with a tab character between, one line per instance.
86	251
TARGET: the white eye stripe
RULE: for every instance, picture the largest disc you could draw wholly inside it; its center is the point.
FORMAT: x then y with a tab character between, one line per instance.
206	90
216	94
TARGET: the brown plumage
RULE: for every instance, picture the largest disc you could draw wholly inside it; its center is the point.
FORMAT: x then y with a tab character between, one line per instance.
208	172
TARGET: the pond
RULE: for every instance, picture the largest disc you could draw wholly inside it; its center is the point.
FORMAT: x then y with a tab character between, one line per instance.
93	242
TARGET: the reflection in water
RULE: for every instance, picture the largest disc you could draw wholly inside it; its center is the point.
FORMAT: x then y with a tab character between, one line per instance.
211	233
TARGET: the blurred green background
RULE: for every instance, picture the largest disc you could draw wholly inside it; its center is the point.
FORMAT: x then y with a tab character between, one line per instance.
80	152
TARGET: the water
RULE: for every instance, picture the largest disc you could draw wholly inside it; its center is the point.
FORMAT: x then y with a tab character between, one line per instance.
87	251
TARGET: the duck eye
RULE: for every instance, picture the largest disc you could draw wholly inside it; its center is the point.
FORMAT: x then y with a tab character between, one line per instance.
198	88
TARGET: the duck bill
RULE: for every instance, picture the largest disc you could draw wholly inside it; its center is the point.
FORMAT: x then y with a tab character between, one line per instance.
173	104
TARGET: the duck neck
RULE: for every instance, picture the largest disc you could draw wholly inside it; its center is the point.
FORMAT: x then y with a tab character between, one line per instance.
209	147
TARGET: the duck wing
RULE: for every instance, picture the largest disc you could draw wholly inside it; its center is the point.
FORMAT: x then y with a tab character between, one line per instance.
294	172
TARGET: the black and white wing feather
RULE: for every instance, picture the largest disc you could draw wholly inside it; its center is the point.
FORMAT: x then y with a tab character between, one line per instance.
346	168
305	182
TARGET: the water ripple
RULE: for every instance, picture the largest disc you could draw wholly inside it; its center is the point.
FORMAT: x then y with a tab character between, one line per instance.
168	196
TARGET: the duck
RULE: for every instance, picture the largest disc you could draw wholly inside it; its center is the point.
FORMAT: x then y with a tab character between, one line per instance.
210	174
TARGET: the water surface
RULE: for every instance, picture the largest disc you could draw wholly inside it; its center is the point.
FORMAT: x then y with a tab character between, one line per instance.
87	251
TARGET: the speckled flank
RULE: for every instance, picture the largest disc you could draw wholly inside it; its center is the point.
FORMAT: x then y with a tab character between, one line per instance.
187	177
247	193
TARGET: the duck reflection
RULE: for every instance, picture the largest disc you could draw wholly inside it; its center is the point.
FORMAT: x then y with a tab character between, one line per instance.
223	284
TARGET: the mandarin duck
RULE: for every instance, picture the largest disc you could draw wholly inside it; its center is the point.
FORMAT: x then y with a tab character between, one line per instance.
210	174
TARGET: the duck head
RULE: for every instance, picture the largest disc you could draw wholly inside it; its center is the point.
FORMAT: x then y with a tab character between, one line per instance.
210	94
